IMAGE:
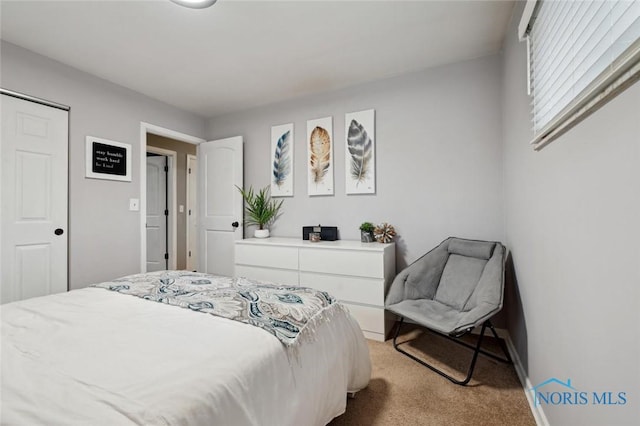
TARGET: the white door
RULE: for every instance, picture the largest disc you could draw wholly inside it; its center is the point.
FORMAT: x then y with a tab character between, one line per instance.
156	213
192	212
220	171
34	199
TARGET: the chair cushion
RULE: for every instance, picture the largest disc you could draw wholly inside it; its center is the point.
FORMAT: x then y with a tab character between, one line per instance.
429	313
459	278
470	248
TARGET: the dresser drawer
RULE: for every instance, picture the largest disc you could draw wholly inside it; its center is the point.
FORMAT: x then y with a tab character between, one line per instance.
376	323
369	319
273	257
356	274
357	263
275	276
350	289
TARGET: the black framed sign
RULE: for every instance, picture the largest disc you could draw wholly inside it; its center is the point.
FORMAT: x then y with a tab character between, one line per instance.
107	159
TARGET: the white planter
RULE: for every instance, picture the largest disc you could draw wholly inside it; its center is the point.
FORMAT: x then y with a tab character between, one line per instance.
261	233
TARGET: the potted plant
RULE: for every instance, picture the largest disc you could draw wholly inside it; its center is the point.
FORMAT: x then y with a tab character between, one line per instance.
260	209
366	232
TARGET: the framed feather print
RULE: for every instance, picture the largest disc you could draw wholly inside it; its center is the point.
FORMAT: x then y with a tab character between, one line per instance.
282	160
360	153
320	156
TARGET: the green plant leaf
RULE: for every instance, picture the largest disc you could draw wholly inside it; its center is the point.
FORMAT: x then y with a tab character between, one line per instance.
260	209
367	227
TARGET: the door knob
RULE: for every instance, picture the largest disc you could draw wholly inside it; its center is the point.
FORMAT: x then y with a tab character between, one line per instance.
59	231
235	224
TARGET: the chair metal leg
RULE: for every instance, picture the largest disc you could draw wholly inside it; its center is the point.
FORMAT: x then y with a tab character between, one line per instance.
503	346
476	351
455	339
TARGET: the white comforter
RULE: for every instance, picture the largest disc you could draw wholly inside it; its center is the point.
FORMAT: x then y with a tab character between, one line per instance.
97	357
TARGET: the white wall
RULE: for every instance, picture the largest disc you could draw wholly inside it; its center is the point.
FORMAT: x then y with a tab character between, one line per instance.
573	226
104	236
438	155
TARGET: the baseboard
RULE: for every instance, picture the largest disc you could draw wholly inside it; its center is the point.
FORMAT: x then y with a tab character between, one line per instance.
538	413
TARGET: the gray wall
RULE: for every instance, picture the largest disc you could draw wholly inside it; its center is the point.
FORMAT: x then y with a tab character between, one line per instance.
573	225
438	156
182	149
104	236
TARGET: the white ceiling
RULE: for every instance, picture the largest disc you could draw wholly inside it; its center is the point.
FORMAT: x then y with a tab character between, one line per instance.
241	54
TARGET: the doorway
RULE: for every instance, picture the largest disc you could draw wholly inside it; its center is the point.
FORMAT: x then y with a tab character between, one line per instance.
176	148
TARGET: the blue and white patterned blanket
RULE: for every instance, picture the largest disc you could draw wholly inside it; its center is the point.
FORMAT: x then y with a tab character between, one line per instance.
283	311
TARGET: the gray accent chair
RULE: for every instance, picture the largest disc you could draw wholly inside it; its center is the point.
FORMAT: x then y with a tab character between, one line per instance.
454	288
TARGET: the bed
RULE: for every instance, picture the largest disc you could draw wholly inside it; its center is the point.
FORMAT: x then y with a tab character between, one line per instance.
111	354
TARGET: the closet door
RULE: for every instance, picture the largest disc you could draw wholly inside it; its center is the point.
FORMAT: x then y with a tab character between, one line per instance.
34	199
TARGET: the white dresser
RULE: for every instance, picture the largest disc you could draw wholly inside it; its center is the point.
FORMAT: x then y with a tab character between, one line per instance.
358	274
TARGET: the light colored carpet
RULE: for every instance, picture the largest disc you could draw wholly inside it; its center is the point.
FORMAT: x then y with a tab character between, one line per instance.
403	392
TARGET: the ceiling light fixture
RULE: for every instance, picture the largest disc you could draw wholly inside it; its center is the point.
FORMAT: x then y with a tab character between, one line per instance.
195	4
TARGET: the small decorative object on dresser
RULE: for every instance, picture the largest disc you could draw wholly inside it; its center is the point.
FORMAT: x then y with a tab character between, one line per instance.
366	232
384	233
260	210
327	233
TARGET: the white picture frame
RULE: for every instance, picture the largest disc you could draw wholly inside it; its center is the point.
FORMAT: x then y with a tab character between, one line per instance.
360	152
282	160
106	159
320	156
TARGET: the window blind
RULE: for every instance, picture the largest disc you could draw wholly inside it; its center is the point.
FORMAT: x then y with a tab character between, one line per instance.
581	53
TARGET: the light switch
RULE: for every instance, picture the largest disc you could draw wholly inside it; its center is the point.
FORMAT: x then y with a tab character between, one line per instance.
181	209
134	204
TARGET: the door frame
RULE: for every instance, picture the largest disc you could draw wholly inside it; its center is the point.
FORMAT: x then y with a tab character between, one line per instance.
160	131
172	202
194	259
